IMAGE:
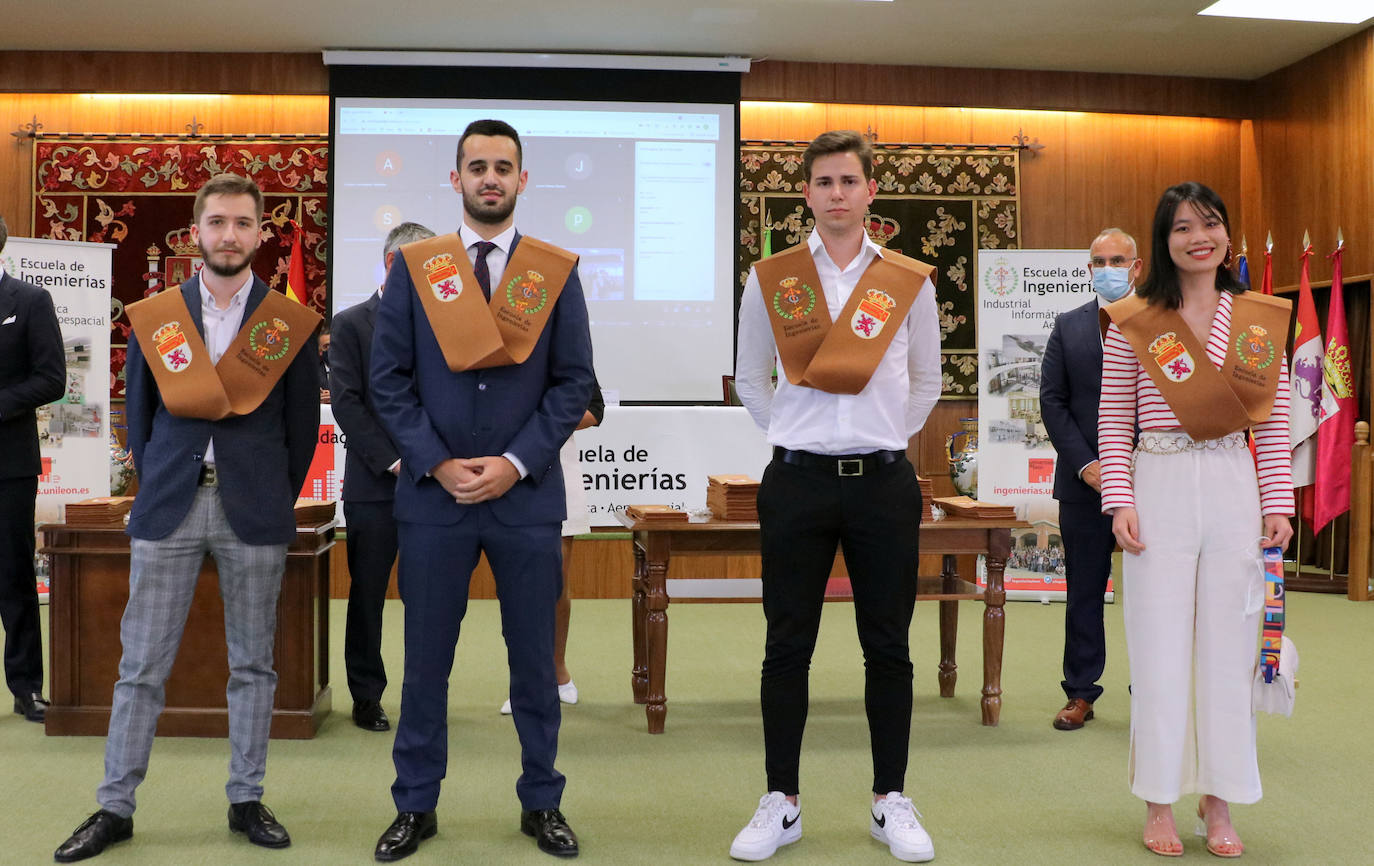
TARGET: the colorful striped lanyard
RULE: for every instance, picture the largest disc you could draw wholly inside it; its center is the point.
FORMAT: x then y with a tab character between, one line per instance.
1271	638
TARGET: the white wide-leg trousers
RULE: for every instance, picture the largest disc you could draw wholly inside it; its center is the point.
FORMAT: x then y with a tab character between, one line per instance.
1194	601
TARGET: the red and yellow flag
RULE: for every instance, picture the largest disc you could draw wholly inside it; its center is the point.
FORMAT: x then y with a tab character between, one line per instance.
295	270
1336	435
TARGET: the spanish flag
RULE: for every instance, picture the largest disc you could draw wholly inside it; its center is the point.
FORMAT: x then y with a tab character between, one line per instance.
295	270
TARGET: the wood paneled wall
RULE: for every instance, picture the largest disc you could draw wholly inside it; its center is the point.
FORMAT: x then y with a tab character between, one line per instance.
997	88
1314	159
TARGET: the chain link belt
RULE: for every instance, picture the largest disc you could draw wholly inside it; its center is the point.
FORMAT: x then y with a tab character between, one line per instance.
1178	442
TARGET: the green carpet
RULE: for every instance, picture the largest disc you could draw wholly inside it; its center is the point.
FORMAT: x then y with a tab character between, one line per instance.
1018	793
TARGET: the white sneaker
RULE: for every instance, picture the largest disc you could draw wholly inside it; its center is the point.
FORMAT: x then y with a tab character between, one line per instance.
894	823
567	693
777	822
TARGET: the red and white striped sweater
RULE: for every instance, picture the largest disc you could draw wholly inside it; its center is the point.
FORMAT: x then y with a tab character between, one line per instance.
1130	396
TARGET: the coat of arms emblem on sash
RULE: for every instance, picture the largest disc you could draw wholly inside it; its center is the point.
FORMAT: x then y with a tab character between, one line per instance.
268	340
1254	348
526	293
872	313
1172	357
443	277
794	300
172	347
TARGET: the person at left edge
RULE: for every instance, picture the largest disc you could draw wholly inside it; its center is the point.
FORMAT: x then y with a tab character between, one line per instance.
225	488
33	371
369	493
479	473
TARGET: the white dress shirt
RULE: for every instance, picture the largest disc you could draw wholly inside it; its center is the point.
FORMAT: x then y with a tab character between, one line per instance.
221	326
891	408
496	266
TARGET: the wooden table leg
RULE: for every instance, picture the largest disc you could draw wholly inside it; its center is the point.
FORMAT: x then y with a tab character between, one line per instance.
949	628
656	628
994	624
639	674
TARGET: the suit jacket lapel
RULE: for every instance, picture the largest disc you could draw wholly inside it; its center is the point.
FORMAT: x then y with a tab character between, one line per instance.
190	291
9	296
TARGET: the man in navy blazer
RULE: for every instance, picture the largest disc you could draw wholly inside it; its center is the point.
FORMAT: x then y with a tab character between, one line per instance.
369	493
479	473
33	371
1070	385
225	488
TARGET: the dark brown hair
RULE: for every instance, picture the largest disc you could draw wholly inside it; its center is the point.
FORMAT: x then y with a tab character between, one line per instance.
839	141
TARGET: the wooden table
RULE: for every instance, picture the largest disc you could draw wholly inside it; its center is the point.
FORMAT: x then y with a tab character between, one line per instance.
90	588
656	542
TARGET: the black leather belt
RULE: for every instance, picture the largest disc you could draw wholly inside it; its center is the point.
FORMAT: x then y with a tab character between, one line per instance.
846	465
208	476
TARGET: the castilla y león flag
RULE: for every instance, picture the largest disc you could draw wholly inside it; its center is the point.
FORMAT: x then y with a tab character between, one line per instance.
1336	436
1311	396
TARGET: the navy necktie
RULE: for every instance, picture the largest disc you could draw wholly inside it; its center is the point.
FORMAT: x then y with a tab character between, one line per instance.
480	268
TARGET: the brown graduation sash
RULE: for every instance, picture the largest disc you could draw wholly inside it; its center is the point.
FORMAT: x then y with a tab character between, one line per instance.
837	357
506	332
1208	402
191	387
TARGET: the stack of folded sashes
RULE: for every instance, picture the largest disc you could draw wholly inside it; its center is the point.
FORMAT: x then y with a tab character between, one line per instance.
102	511
733	497
656	513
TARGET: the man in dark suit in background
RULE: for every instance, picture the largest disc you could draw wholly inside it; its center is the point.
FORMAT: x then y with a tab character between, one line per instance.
1070	384
33	371
369	490
222	487
479	473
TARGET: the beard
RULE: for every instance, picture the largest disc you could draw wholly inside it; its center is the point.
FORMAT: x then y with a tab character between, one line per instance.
232	267
491	214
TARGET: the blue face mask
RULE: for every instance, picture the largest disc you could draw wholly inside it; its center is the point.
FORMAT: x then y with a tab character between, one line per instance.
1112	284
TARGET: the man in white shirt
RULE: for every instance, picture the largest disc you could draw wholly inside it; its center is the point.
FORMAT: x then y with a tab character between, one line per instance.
839	426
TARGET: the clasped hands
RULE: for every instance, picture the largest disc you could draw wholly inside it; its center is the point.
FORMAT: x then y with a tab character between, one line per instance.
1126	527
476	479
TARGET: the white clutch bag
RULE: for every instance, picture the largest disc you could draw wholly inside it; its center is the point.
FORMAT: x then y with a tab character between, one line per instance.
1277	695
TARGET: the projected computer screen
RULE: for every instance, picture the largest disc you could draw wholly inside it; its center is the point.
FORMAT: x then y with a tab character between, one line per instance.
643	192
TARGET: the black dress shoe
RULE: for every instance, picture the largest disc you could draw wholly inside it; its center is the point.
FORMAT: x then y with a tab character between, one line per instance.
93	836
550	830
258	822
369	715
403	837
31	706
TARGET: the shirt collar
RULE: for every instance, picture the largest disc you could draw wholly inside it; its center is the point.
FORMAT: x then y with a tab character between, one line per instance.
1102	302
866	252
239	298
503	241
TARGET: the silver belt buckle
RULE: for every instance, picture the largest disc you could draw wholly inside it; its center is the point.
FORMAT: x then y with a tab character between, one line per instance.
208	476
850	467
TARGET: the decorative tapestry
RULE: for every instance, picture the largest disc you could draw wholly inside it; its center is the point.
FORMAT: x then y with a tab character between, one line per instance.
936	204
137	192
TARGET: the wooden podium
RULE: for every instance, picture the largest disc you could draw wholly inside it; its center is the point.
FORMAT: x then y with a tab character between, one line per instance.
89	589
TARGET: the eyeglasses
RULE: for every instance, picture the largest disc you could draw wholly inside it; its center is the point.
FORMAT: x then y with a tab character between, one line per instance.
1114	262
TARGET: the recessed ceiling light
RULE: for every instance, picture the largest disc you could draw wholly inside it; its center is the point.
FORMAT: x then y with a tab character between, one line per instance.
1322	11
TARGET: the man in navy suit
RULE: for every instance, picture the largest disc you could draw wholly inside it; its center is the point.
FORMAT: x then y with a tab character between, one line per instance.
33	371
227	488
369	493
479	473
1070	384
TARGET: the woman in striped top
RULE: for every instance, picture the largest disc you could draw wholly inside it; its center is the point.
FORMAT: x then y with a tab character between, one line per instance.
1192	517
